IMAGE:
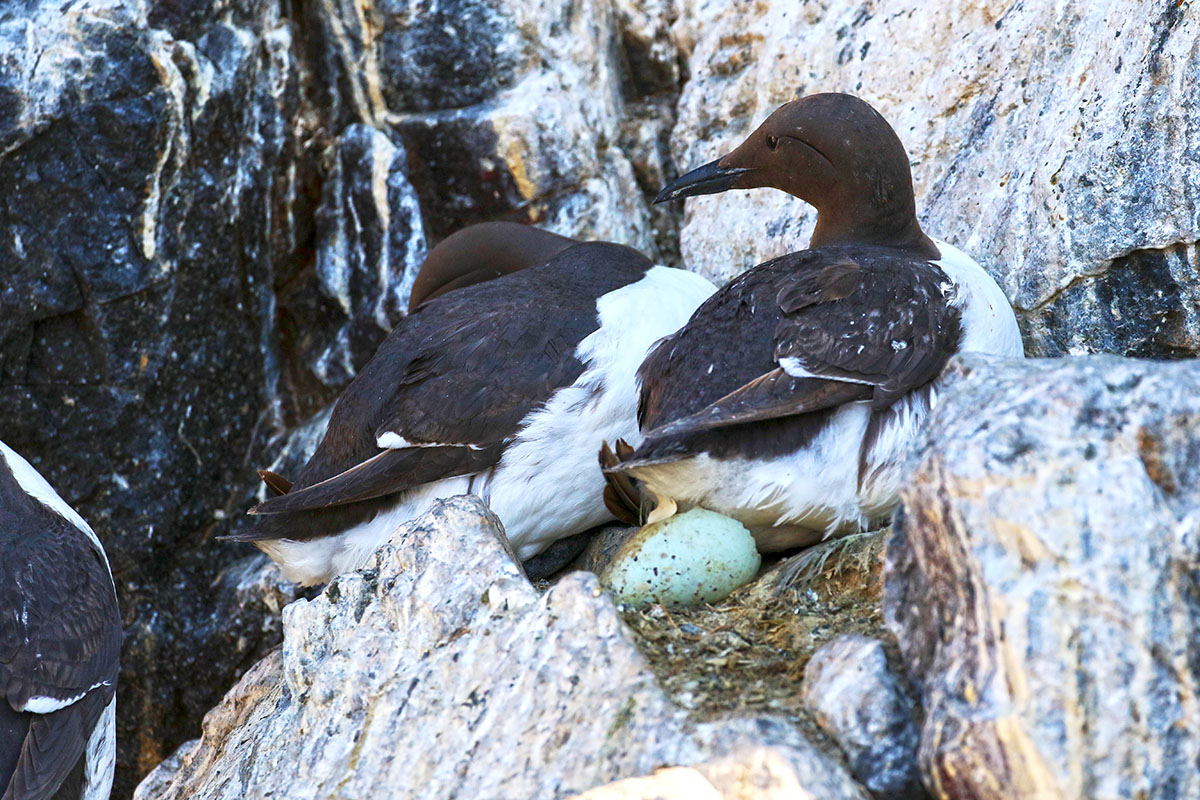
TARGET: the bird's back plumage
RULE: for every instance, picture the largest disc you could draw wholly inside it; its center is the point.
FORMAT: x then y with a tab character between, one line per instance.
60	639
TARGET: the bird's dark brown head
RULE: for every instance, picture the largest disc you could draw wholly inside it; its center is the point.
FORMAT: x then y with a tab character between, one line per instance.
481	253
834	152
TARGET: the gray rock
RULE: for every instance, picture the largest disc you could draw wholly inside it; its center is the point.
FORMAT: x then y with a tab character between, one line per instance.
370	245
508	110
862	704
1044	580
1053	143
438	671
759	773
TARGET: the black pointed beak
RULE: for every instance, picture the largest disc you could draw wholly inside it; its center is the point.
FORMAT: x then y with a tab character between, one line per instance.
709	179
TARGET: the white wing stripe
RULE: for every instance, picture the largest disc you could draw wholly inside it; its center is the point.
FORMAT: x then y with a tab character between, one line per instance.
48	705
394	441
792	366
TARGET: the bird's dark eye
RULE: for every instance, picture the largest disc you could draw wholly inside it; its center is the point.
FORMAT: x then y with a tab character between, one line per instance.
772	141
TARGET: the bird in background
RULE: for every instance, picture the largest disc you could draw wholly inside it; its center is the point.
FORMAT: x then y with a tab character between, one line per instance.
519	358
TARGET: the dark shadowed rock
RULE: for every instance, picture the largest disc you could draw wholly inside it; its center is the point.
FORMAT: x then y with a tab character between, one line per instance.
507	110
143	175
447	54
368	217
1044	581
161	177
1146	304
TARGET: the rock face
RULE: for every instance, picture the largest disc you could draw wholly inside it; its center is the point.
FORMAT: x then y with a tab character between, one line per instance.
1054	142
213	210
508	109
438	671
212	216
151	161
864	706
1044	581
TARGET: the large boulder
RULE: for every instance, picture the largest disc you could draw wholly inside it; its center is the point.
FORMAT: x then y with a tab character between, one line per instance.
868	710
438	671
1054	142
1044	581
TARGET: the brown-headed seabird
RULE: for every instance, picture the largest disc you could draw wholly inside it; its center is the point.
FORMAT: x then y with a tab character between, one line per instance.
791	398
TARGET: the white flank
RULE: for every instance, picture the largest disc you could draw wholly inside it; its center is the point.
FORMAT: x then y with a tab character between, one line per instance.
549	485
791	501
988	322
36	487
101	755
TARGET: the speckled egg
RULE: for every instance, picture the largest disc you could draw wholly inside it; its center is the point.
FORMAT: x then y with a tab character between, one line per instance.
695	557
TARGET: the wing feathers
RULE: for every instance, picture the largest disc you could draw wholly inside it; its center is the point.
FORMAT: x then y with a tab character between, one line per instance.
53	746
275	482
845	324
386	473
775	394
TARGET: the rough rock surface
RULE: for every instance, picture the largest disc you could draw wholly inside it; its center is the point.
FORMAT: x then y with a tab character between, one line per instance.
508	109
1056	142
754	773
1044	581
212	211
438	671
869	712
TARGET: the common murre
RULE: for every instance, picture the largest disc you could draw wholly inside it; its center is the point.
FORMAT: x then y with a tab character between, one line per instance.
503	388
791	398
60	642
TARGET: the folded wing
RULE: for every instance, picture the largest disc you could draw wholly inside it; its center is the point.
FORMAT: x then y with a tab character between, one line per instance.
846	328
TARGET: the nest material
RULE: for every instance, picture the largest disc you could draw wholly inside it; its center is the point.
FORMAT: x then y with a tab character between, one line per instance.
746	655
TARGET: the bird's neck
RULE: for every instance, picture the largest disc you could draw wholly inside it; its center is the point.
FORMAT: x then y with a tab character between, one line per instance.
891	224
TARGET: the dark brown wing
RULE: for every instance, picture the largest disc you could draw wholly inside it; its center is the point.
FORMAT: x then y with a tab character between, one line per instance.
845	324
883	322
379	476
473	382
60	640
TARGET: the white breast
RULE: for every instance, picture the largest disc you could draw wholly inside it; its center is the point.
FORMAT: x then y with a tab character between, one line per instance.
988	322
101	754
548	484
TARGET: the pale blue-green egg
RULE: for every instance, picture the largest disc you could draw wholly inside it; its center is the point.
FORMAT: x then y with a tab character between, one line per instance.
695	557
